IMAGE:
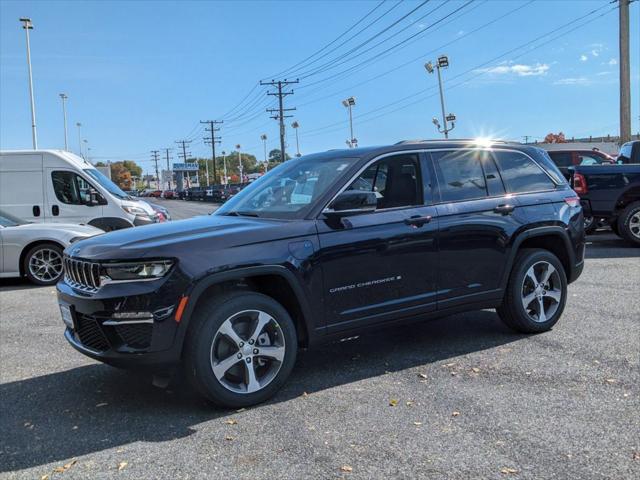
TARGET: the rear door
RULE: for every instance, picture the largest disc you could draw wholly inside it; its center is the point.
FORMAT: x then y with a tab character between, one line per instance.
477	219
383	265
68	197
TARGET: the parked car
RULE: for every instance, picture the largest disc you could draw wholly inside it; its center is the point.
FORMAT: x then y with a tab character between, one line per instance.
196	193
35	250
569	158
629	152
56	186
613	193
168	194
161	212
388	235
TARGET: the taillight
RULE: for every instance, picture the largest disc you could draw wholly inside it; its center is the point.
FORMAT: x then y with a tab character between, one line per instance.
572	201
579	184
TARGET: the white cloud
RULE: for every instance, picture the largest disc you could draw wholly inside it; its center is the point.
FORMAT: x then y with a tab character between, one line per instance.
613	61
517	69
573	81
595	53
602	74
583	58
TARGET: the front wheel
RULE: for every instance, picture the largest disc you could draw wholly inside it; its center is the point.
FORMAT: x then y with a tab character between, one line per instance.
536	292
629	223
43	264
241	349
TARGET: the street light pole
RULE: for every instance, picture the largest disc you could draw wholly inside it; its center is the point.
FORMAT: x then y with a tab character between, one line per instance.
349	103
64	97
78	124
263	137
442	62
295	125
27	25
240	164
224	166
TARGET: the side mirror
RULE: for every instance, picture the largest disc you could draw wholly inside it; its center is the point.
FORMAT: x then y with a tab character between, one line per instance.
91	198
352	202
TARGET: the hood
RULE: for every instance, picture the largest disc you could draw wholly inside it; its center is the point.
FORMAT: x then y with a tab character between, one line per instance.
69	228
139	203
172	239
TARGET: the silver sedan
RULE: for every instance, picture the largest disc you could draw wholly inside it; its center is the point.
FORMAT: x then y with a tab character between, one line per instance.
35	249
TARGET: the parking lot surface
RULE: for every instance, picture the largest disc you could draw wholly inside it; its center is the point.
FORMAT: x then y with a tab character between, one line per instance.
459	397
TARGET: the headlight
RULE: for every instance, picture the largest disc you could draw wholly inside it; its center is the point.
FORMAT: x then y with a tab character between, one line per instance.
137	270
134	210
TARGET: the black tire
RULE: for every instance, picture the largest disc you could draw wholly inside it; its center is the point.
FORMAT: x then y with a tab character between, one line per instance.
512	311
208	318
629	222
614	226
41	249
590	225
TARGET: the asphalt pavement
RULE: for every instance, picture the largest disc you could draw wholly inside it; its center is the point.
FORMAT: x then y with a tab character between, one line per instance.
456	398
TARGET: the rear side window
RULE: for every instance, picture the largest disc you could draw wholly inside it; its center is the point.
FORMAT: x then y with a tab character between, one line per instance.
460	175
562	159
520	174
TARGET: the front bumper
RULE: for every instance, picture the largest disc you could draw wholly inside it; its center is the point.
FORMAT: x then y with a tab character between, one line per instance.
150	341
140	220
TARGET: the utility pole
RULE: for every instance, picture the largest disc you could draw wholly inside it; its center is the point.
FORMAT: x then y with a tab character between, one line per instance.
442	62
526	138
280	116
166	151
213	140
156	155
184	155
27	25
64	97
625	78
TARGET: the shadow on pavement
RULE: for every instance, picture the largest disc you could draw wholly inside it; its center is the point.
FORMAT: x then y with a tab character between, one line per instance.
608	245
10	284
93	408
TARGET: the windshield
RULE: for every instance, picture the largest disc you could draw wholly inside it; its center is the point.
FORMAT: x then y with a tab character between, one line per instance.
107	184
7	220
289	190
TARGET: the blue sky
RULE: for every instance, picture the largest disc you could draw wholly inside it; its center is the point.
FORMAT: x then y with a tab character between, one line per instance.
140	75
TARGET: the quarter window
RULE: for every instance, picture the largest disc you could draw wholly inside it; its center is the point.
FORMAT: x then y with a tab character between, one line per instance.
460	175
521	174
562	159
394	180
70	188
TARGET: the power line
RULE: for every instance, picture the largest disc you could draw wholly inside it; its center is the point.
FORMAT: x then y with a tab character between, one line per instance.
212	139
183	144
280	116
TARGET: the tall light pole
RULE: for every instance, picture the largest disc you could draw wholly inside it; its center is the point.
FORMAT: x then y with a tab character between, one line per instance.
224	166
263	137
64	97
86	148
442	62
27	25
625	77
79	125
240	163
350	103
295	125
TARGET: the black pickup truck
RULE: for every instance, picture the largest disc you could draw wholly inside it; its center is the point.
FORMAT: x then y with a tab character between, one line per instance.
611	192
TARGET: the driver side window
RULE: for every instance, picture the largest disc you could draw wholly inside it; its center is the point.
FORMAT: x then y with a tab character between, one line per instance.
395	181
71	188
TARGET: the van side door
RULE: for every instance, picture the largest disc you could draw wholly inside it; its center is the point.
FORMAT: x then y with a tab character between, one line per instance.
22	186
68	197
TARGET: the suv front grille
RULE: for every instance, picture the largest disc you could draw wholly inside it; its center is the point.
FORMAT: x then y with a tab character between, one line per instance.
90	334
82	275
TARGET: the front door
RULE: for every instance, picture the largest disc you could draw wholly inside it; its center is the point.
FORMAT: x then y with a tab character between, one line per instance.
68	196
382	265
477	221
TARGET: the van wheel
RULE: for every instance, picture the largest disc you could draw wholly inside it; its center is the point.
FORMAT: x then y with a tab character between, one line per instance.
240	349
629	223
43	264
536	292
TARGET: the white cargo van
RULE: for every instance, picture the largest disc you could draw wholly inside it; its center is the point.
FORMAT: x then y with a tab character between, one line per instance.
58	186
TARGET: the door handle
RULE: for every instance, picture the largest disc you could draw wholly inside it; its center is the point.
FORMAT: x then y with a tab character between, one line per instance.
417	221
504	209
55	210
36	211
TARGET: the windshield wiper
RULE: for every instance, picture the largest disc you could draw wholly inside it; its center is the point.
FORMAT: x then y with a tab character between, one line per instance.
242	214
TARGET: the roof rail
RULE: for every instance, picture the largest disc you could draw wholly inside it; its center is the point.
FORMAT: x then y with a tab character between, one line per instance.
453	140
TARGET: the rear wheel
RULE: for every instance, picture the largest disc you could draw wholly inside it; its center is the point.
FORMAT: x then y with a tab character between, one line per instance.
43	264
590	225
536	292
241	349
629	223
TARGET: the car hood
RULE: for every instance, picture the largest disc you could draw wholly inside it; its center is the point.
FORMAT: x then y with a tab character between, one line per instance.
69	228
172	239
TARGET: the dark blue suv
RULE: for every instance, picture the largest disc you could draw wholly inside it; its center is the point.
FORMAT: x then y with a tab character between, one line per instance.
322	247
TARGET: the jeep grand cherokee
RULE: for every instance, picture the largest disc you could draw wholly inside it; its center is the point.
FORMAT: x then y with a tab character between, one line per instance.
324	246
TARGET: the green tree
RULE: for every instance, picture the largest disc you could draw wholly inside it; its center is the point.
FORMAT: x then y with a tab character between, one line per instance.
275	155
133	167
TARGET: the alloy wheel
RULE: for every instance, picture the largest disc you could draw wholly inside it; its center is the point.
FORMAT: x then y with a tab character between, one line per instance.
45	265
541	291
247	351
634	224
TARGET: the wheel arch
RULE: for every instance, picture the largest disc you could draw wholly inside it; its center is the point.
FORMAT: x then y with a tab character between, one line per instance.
27	248
110	223
630	195
274	281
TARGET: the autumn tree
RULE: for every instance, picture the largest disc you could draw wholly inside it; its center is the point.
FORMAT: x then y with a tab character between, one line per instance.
555	138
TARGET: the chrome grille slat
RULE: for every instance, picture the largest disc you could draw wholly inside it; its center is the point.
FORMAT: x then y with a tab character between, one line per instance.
82	275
